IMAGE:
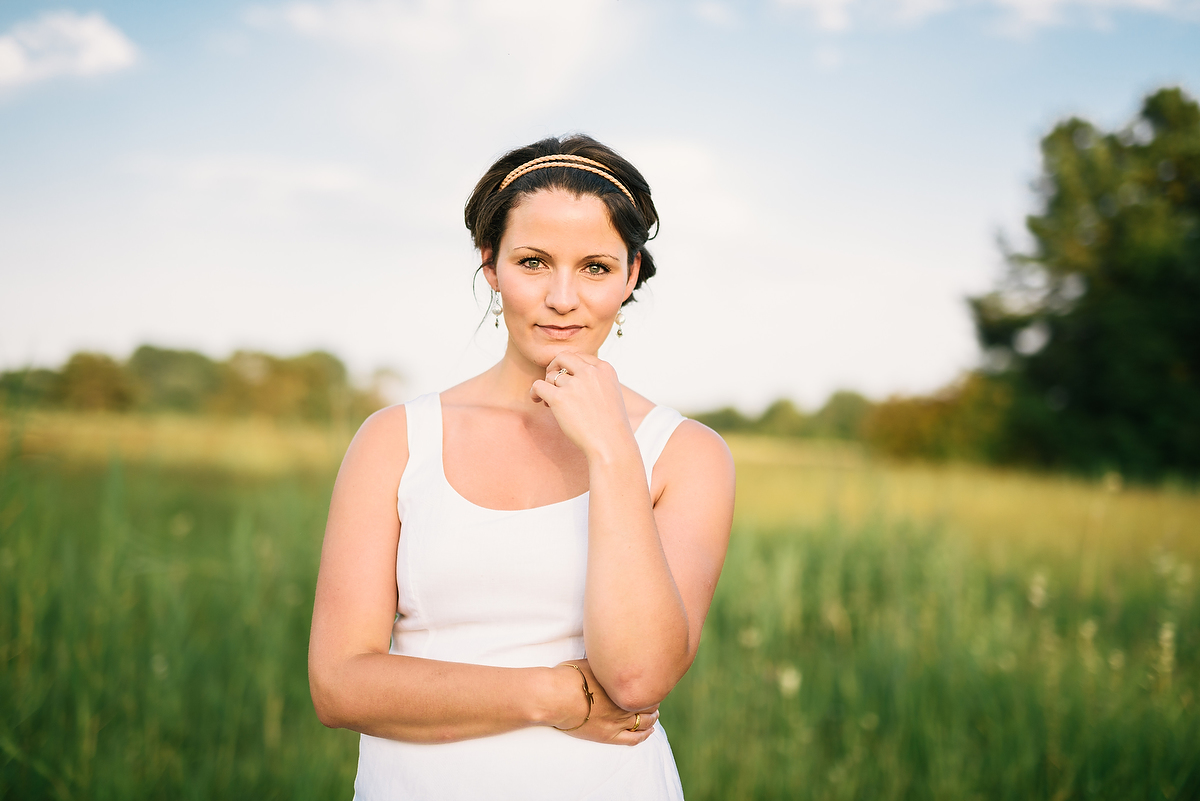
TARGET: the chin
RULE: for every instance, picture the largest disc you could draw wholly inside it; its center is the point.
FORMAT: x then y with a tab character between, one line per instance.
546	353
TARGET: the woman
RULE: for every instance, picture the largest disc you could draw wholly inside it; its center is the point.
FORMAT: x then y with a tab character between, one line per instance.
516	571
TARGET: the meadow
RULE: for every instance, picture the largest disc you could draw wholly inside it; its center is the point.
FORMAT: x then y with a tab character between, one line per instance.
881	630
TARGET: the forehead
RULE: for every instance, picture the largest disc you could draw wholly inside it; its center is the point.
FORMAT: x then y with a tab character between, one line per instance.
554	216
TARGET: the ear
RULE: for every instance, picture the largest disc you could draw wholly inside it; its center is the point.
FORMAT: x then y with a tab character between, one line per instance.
489	268
634	270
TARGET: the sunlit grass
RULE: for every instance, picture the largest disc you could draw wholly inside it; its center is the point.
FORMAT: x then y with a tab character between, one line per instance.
257	446
784	482
880	631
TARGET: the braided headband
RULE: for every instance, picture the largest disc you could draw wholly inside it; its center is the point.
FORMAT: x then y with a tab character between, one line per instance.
574	162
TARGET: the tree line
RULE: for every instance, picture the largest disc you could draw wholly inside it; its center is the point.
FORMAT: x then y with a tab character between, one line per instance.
312	387
1091	339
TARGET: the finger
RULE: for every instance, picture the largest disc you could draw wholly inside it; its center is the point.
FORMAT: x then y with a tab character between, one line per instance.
569	359
641	722
557	362
648	719
633	737
557	375
542	392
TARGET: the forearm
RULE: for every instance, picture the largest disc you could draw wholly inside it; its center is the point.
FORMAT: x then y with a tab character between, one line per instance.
635	621
427	701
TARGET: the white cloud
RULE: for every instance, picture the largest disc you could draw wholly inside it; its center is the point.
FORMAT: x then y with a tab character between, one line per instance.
395	28
830	15
1017	16
1023	15
62	43
533	49
251	186
717	14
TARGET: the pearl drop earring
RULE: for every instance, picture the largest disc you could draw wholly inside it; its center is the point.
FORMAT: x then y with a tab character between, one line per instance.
497	309
620	322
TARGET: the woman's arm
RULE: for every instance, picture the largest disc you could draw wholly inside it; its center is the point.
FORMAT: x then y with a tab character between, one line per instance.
653	563
354	681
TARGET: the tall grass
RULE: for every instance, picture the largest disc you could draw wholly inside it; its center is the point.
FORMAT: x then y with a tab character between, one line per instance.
153	629
891	662
879	632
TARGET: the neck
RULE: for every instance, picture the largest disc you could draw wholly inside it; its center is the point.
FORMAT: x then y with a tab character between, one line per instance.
511	378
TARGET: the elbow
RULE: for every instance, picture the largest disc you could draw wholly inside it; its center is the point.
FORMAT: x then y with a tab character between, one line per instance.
638	687
637	698
327	714
326	703
634	690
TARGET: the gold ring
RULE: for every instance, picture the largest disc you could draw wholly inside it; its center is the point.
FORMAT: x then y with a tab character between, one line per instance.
558	375
637	722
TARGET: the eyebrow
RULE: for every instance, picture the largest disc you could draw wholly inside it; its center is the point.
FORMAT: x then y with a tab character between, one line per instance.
531	247
544	253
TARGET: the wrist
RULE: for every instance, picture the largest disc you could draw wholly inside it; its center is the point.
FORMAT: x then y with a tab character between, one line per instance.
558	698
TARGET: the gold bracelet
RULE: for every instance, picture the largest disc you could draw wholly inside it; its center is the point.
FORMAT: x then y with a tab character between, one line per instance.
587	693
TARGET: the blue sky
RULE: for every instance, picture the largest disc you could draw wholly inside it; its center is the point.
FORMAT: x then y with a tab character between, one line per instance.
831	174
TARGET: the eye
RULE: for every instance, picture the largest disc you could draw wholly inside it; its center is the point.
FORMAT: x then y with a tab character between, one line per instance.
596	268
533	262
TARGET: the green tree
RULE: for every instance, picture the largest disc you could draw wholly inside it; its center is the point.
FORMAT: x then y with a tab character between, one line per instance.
95	382
841	417
178	380
964	420
1096	331
727	419
782	419
29	387
313	386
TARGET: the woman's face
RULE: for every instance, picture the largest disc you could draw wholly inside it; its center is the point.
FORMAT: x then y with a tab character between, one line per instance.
562	272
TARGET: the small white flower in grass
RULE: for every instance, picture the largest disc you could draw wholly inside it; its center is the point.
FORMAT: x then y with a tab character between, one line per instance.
1087	645
158	663
750	637
1166	648
1164	564
181	525
789	681
1037	590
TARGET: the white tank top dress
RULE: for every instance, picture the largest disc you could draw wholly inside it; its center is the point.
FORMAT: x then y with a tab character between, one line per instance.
501	588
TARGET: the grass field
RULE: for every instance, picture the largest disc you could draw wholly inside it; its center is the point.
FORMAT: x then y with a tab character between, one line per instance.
880	631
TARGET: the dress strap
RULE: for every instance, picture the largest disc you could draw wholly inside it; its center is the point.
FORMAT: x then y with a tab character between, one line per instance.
423	416
652	434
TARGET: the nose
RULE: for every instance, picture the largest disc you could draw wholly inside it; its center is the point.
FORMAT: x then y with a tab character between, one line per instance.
562	295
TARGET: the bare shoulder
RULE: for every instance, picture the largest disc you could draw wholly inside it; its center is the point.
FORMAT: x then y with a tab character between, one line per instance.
695	444
695	465
381	443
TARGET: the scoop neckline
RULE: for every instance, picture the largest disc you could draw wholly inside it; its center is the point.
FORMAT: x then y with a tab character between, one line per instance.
469	502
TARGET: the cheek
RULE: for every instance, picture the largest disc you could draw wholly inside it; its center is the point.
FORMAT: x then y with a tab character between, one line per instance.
615	291
518	295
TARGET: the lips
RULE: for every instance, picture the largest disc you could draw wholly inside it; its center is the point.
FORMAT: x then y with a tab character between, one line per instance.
560	331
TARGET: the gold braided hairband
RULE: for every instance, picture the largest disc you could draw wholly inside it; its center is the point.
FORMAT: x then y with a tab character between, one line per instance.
566	160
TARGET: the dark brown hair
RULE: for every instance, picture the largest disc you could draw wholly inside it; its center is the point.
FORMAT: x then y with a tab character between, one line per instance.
487	209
